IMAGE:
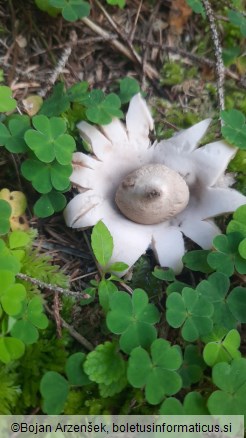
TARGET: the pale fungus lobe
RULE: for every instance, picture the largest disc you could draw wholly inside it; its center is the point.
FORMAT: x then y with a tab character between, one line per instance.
150	196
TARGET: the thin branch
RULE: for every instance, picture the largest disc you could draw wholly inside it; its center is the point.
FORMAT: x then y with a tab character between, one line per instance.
60	65
52	287
83	341
150	71
220	69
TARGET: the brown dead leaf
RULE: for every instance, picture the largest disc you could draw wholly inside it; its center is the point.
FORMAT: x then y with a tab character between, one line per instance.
179	14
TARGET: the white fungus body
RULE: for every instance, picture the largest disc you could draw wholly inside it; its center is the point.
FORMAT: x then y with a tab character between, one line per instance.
152	194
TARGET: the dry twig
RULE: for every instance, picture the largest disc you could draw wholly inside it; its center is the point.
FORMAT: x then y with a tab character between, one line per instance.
220	69
81	339
51	287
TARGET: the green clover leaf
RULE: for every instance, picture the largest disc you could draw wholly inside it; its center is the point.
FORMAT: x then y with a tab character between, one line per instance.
192	367
227	258
230	399
78	92
7	103
5	213
237	303
194	404
224	349
72	10
128	88
48	141
238	223
74	370
234	128
242	248
197	261
57	103
101	109
8	261
49	204
133	318
13	136
191	311
215	289
32	317
46	176
10	349
54	389
11	294
157	373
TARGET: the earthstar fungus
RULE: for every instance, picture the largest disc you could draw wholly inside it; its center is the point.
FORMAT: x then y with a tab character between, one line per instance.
149	196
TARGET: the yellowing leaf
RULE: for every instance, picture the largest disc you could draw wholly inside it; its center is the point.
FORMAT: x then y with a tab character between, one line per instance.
32	104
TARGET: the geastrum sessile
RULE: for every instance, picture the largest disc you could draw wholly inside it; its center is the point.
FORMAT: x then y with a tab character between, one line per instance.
147	195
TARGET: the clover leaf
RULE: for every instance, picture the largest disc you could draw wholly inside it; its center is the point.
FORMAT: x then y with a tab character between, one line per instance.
191	311
234	128
106	367
194	404
197	261
101	109
7	103
72	10
49	203
54	389
132	317
192	367
238	223
10	349
49	141
242	248
222	350
13	136
128	88
11	294
230	399
237	303
157	373
74	370
215	289
57	103
5	213
8	261
227	258
45	176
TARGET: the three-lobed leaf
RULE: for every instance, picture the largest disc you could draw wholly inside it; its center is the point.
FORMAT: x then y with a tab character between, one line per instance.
48	140
46	176
72	10
230	399
132	318
191	311
49	204
224	349
156	373
234	128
